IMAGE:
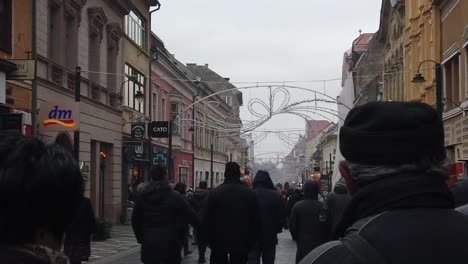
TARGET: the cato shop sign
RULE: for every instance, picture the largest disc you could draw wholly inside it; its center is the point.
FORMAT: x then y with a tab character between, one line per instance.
59	116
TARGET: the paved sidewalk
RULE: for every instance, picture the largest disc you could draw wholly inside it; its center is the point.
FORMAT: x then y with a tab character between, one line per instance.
123	249
285	251
122	243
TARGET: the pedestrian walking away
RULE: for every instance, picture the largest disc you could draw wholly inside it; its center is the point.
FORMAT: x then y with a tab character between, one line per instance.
401	210
307	224
198	203
159	220
230	220
41	189
272	219
78	236
181	188
336	204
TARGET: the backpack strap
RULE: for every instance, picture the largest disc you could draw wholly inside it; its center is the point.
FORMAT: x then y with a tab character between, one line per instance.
364	252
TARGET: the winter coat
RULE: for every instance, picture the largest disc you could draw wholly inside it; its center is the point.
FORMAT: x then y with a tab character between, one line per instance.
306	225
337	202
230	219
198	200
294	197
77	244
402	219
272	212
31	254
460	193
159	221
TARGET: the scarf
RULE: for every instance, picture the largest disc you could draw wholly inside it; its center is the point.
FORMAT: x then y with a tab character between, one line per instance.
32	253
395	192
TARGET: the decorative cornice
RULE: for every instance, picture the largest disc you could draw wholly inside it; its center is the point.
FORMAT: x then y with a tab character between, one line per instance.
73	9
114	34
450	52
123	6
97	20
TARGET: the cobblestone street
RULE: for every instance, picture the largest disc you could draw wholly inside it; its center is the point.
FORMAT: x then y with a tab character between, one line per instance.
122	248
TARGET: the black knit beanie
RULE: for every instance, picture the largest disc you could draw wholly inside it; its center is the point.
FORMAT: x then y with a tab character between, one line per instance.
391	133
232	170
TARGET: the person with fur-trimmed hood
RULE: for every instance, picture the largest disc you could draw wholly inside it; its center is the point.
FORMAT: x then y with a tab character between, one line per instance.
401	210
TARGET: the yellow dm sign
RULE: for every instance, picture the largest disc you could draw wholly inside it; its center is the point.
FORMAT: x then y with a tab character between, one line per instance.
59	117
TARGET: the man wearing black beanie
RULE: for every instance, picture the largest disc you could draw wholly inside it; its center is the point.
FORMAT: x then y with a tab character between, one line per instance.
401	209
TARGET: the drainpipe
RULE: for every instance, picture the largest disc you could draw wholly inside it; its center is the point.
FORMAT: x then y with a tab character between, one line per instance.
34	82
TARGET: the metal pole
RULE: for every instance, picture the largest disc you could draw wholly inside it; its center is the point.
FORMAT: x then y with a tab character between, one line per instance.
34	82
211	167
171	175
193	142
76	134
439	101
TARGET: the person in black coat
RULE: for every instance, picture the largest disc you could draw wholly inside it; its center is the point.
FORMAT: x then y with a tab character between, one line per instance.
272	219
401	210
230	219
336	203
181	188
198	203
159	220
77	244
306	224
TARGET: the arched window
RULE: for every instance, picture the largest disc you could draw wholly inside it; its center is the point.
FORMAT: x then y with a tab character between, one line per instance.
207	176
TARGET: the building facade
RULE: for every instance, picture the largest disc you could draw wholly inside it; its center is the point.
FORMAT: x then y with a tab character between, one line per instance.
217	120
454	60
135	93
15	44
87	34
422	42
173	90
391	35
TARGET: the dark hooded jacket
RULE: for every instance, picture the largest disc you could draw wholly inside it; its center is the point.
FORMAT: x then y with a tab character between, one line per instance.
159	220
306	226
336	203
230	219
272	212
198	200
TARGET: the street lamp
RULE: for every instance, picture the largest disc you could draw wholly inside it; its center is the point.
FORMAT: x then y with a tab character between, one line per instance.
419	78
211	145
139	96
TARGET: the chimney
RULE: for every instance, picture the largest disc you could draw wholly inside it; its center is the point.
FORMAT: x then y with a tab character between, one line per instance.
206	65
227	79
191	64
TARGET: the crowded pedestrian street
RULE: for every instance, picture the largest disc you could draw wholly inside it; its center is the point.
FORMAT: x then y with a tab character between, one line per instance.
233	132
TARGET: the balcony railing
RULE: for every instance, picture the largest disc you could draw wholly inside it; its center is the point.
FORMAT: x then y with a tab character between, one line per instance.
66	79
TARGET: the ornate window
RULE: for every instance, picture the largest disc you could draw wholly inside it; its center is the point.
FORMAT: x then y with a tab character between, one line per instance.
134	82
135	28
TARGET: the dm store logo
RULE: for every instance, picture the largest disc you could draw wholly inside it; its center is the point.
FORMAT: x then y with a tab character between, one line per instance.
60	117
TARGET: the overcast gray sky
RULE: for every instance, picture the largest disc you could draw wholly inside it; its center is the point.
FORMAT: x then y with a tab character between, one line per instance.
267	40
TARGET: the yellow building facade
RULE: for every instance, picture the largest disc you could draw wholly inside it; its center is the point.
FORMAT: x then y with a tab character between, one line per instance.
422	42
454	61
